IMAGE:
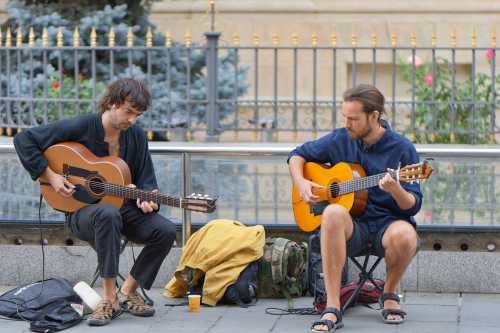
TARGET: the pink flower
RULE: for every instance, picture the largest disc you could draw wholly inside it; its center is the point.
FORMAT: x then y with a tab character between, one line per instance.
489	54
427	216
428	79
418	61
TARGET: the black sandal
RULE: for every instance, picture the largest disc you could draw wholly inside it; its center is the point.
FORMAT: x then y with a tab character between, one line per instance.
387	312
332	326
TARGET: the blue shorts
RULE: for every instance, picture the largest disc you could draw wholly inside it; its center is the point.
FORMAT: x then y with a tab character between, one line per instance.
362	238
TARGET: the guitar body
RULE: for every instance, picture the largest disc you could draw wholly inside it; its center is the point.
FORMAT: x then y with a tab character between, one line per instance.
308	217
108	169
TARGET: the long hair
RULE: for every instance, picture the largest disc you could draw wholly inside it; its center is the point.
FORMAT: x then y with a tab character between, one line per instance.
369	96
124	90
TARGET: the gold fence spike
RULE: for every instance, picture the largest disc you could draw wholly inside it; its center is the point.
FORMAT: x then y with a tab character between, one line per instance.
333	39
31	37
453	36
1	130
188	39
236	135
295	136
149	38
236	39
76	37
275	136
1	40
413	39
45	37
473	38
433	137
150	135
314	39
394	39
111	37
130	37
374	40
256	136
433	39
256	39
8	38
295	39
354	39
413	136
9	131
315	134
168	135
19	37
168	39
493	36
93	37
19	129
452	137
59	37
275	40
189	135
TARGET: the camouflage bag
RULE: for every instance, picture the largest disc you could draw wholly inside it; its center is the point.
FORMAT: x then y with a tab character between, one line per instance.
282	269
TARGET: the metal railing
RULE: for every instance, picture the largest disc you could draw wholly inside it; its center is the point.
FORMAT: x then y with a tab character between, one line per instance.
253	184
230	91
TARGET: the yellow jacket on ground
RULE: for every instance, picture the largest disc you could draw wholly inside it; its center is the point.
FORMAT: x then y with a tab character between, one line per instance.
220	250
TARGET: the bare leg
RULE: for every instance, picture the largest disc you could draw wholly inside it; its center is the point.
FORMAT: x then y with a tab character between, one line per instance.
109	289
130	285
400	244
336	229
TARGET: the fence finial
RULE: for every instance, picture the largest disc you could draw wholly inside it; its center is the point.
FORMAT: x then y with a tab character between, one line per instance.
333	39
453	36
473	38
1	37
236	39
130	37
374	39
45	37
275	40
19	37
168	39
295	39
394	39
433	39
31	37
111	37
314	39
354	39
76	37
493	36
256	39
8	38
59	37
93	37
413	39
149	38
188	39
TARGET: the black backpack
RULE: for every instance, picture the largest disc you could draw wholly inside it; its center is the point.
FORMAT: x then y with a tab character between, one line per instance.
46	305
316	284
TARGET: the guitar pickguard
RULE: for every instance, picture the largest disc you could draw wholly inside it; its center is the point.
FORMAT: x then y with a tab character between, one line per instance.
82	195
318	207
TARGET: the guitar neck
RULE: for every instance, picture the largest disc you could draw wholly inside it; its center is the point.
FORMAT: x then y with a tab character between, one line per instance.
134	193
359	184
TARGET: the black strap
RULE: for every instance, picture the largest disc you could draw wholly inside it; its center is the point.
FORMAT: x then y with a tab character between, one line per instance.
327	322
387	312
333	310
389	296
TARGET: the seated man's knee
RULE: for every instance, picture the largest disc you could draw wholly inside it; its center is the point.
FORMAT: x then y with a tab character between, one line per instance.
166	232
108	216
402	237
335	216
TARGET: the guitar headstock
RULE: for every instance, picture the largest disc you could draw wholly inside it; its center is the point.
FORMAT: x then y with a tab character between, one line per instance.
414	173
199	203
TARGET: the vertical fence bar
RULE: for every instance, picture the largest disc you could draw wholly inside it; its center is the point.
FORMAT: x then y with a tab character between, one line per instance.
45	44
212	91
295	44
149	45
433	103
393	85
274	126
31	45
111	45
413	41
256	89
168	45
453	85
472	114
76	45
8	46
493	46
334	79
374	58
93	45
354	41
236	123
315	86
60	43
185	191
187	42
19	45
2	100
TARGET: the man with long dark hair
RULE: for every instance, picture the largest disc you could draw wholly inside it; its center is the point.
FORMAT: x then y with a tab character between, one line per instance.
111	132
387	221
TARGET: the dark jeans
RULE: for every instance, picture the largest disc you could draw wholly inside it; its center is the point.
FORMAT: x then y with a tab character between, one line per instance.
102	225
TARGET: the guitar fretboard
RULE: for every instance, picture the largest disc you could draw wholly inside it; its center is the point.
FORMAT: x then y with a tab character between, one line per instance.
358	184
133	193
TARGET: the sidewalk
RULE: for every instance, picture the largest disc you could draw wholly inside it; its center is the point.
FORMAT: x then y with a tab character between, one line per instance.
440	313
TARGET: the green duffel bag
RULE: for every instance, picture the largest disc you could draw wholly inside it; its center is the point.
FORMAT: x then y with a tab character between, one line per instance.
282	269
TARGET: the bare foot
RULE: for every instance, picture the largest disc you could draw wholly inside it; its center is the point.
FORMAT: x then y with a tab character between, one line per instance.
329	316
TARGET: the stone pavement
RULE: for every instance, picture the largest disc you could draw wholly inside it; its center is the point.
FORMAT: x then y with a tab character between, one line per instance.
428	312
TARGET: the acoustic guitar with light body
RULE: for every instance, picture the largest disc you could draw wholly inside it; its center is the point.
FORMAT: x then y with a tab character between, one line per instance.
345	184
103	180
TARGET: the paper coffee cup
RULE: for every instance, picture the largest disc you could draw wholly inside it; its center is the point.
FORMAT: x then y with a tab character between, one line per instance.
194	303
88	295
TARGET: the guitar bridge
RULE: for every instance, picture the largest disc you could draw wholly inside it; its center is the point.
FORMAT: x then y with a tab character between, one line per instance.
317	208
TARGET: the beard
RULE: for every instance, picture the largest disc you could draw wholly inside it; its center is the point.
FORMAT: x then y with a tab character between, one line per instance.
360	135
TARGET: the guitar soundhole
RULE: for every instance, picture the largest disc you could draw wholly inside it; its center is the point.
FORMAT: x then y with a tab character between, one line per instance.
96	186
334	190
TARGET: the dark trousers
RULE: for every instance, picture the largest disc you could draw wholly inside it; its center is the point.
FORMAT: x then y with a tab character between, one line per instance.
102	225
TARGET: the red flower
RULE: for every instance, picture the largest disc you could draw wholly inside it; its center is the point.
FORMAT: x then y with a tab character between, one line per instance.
56	85
428	79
